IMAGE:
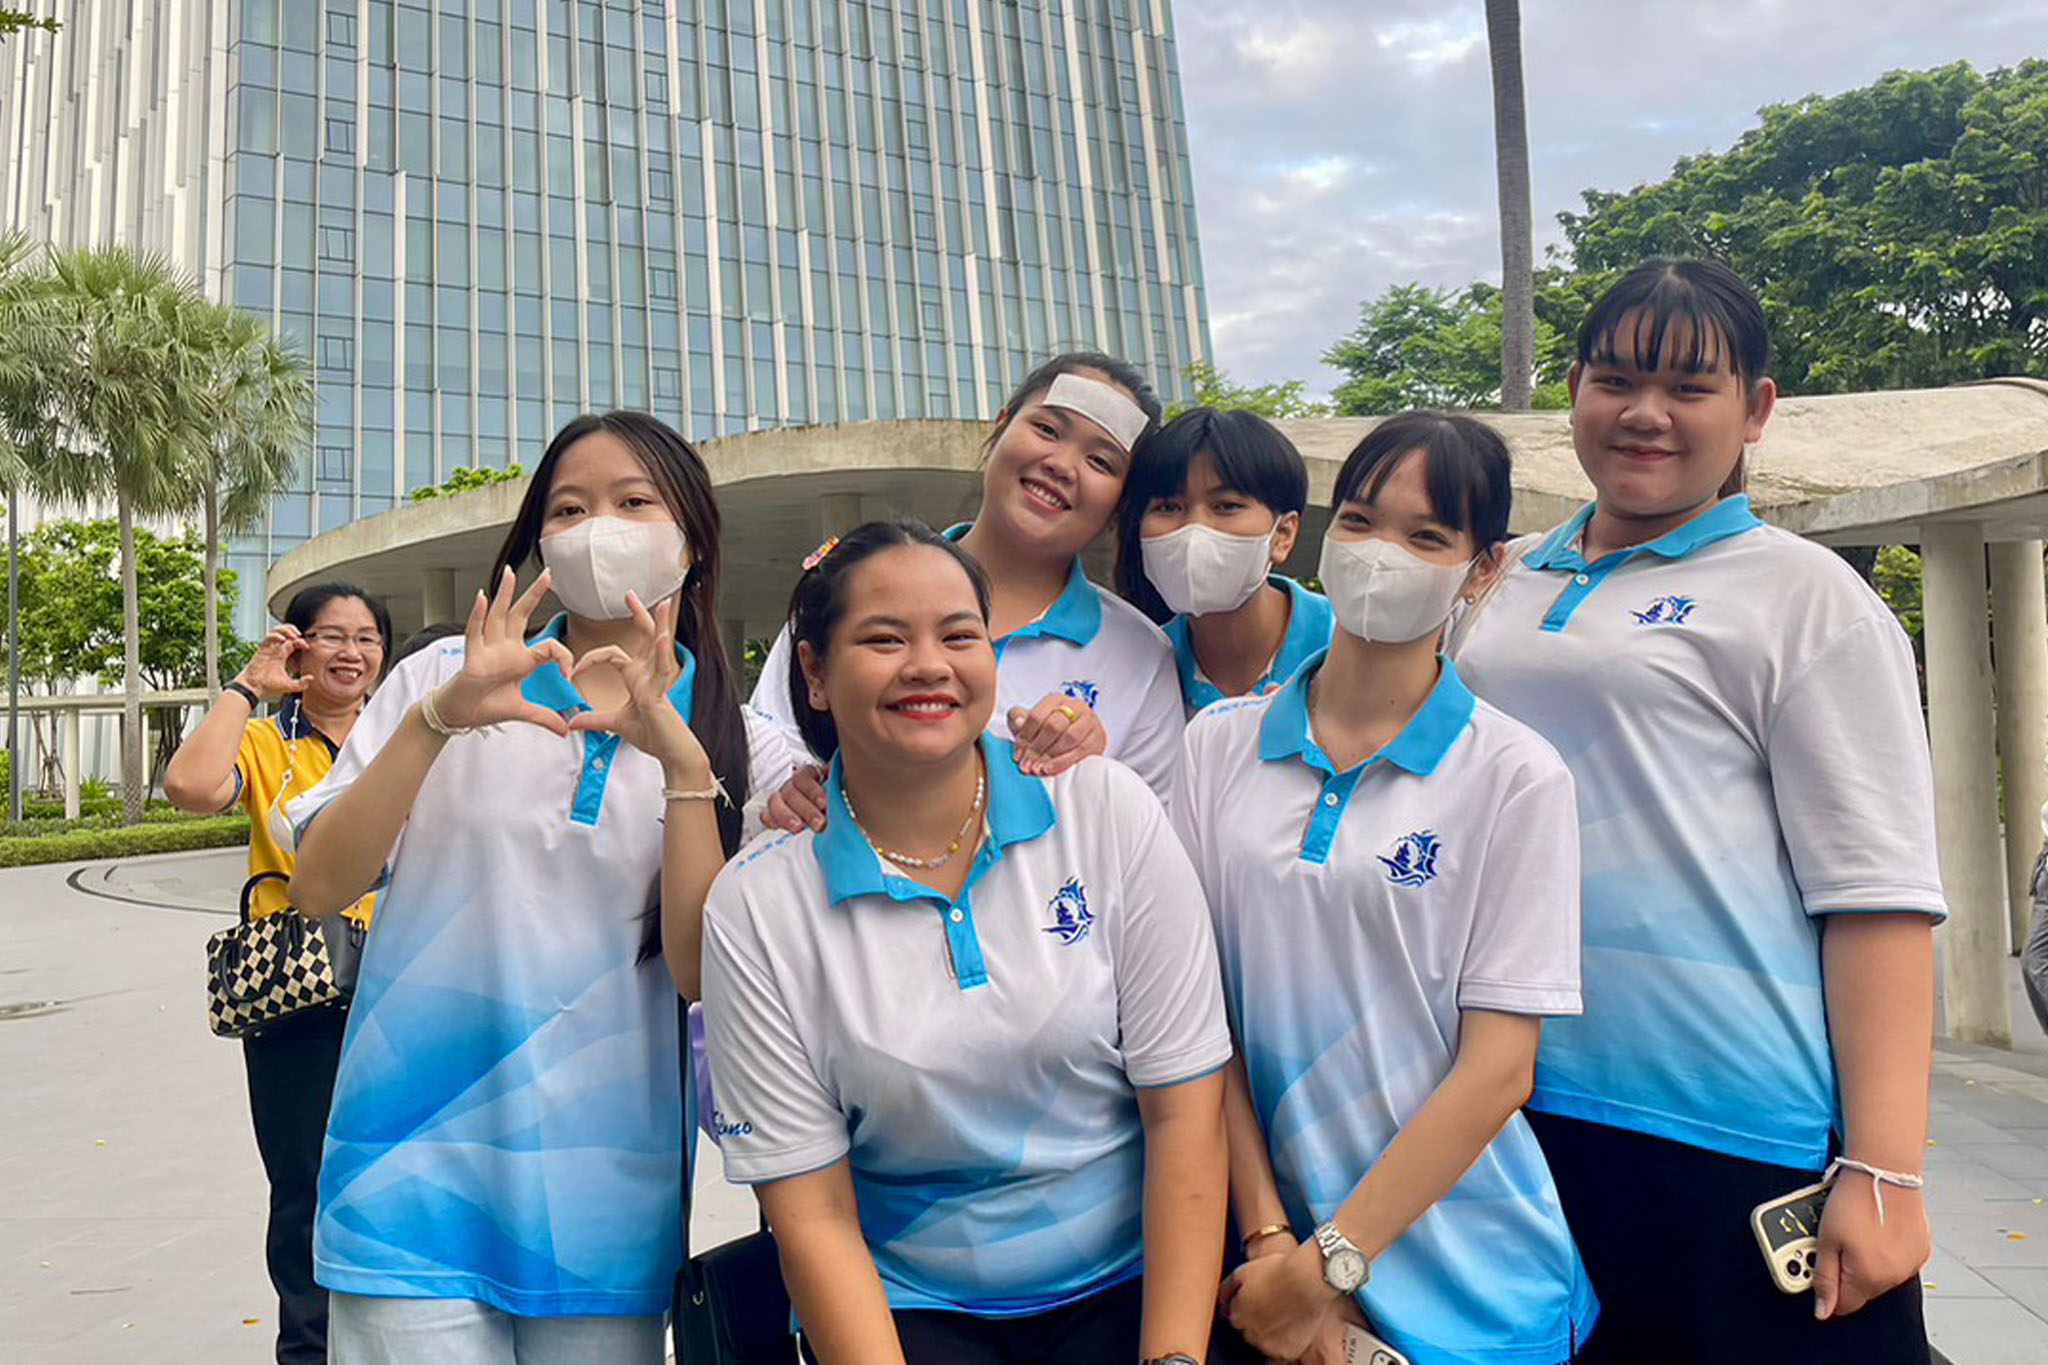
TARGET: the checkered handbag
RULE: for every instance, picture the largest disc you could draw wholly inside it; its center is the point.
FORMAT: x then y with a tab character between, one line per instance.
261	971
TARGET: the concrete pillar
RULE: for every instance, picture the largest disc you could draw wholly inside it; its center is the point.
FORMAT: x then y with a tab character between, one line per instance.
1960	726
437	597
2019	650
734	632
68	755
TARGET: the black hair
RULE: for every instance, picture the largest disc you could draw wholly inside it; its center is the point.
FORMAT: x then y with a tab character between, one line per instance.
679	475
1719	317
818	603
1465	466
1125	375
1251	457
424	636
307	604
1716	311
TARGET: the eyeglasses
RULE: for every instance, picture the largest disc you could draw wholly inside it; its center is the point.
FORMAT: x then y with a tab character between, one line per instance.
339	639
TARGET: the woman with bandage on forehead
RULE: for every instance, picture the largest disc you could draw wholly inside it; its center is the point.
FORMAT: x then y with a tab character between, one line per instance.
1079	671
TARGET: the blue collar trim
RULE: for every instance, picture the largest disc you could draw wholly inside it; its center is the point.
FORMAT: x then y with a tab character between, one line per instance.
547	686
294	724
1309	622
1074	616
1019	809
1421	745
1728	517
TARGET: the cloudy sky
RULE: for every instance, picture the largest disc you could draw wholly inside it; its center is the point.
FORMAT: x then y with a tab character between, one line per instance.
1342	146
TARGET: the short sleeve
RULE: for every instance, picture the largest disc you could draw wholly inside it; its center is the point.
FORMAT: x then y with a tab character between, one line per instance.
1151	745
1169	985
1851	776
1523	953
403	686
770	757
773	1117
771	699
249	760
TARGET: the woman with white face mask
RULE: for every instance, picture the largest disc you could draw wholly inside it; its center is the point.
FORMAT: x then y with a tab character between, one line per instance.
545	810
1207	518
1392	867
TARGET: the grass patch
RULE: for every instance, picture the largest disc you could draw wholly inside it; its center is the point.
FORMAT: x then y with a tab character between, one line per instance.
69	841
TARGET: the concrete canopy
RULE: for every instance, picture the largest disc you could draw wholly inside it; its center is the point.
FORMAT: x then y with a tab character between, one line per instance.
1850	469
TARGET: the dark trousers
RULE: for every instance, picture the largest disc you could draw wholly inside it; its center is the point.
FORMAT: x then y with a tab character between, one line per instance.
291	1084
1664	1231
1101	1329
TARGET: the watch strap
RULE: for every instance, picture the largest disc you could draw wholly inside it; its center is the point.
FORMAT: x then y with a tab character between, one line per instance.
243	692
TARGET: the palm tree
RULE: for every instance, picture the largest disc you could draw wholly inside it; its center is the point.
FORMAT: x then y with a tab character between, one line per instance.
22	357
124	413
1511	166
258	399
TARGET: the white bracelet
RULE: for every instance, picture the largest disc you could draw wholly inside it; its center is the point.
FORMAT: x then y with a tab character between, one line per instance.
430	712
714	792
1879	1178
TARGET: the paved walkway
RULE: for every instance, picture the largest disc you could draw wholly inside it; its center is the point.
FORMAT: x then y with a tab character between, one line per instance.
131	1201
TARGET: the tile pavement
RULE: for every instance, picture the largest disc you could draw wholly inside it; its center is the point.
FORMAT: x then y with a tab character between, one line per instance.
131	1199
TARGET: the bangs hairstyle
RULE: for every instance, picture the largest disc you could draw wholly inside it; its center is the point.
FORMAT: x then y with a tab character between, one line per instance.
1693	316
679	476
307	604
1251	457
1465	467
1121	372
819	604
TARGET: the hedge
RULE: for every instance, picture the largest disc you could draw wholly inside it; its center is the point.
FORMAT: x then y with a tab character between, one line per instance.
123	841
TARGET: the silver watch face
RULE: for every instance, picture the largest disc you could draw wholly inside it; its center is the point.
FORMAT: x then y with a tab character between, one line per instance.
1344	1269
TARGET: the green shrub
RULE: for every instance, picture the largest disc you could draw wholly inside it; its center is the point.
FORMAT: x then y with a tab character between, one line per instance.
130	841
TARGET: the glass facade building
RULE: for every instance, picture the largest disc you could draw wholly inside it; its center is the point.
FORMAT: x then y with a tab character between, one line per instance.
480	217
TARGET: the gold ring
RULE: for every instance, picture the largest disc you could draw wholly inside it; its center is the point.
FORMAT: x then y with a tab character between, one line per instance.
1069	712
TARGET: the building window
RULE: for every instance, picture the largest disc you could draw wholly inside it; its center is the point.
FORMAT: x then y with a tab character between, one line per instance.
668	381
341	29
337	244
661	283
337	353
334	461
341	136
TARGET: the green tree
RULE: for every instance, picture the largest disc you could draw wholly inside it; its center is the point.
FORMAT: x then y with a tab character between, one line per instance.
13	21
1897	234
1417	347
1214	389
123	382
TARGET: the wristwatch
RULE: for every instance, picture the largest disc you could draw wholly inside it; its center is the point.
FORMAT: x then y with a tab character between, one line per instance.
1345	1267
1177	1358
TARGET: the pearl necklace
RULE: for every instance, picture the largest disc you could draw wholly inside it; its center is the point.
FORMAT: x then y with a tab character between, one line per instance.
905	859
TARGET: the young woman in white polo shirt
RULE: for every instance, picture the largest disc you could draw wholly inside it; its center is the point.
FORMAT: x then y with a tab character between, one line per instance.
965	1041
1742	717
1392	868
502	1170
1079	670
1209	515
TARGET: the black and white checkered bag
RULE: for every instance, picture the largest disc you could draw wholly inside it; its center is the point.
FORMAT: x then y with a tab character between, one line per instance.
265	970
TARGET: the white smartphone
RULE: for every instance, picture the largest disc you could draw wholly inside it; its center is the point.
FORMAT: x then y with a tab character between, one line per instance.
1788	1232
1363	1348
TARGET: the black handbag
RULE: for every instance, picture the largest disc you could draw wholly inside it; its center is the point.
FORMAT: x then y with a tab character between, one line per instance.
730	1306
264	971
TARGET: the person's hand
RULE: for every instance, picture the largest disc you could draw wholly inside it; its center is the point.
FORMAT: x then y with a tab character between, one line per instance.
496	659
1328	1347
800	802
645	719
1861	1258
1280	1302
269	671
1054	735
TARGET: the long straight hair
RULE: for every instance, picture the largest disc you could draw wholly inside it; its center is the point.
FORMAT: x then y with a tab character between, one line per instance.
679	475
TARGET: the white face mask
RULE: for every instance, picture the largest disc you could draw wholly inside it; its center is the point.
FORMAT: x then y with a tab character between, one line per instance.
1383	593
596	562
1199	569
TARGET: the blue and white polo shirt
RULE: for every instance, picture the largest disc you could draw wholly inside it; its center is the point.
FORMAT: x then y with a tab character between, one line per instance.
1089	644
1309	622
507	1119
1358	915
974	1061
1742	717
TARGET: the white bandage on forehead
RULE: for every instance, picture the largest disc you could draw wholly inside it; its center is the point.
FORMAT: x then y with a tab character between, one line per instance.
1109	408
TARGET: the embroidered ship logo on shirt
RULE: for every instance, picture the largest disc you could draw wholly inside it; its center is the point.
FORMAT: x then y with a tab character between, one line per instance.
1414	859
1081	690
1071	917
1665	611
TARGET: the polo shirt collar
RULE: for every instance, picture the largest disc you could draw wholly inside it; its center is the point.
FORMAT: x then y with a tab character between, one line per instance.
1418	748
548	686
1075	615
1728	517
1019	809
1301	640
294	724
